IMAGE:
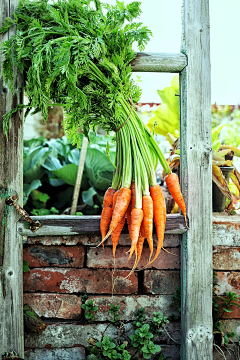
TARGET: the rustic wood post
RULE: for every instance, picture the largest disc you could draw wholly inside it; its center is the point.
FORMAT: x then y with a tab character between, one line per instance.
196	176
11	182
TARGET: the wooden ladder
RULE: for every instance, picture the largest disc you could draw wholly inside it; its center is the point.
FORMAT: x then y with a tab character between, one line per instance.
193	65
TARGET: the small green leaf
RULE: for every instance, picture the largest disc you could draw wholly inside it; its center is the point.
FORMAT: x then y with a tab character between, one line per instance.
227	310
8	22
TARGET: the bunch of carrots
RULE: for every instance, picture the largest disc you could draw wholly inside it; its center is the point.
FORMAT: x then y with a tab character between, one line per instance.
135	196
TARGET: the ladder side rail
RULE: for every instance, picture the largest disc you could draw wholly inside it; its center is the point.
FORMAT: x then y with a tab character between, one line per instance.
196	180
11	182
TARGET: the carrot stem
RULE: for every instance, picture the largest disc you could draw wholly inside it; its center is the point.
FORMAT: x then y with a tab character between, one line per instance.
127	156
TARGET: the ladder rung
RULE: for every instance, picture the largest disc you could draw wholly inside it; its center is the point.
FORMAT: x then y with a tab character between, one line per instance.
159	62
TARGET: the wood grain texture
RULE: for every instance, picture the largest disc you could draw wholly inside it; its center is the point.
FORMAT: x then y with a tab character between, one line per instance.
159	62
71	225
196	179
11	162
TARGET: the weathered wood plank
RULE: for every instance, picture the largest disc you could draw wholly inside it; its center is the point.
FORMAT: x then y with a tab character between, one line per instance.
93	240
196	145
159	62
11	182
71	225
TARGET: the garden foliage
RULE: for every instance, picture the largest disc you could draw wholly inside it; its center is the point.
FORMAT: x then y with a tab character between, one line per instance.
50	169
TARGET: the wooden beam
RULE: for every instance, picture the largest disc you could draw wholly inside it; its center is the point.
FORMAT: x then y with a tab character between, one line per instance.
159	62
196	178
71	225
11	182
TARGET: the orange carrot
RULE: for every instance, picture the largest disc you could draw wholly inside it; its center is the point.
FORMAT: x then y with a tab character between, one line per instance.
133	195
159	215
130	207
147	205
107	211
128	213
122	202
173	185
115	199
116	233
140	242
115	236
136	216
139	247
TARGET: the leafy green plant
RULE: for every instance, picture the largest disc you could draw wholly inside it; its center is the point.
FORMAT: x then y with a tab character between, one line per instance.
158	321
111	351
78	55
42	211
89	308
229	300
57	174
230	116
114	310
141	340
166	117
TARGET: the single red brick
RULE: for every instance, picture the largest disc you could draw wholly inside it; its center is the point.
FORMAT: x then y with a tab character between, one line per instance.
226	258
79	280
54	305
62	256
130	304
102	258
161	282
228	281
235	314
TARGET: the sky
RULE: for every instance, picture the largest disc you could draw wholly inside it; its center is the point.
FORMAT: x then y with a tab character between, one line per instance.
163	17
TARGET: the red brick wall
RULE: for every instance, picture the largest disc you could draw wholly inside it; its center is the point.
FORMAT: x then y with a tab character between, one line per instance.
63	268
